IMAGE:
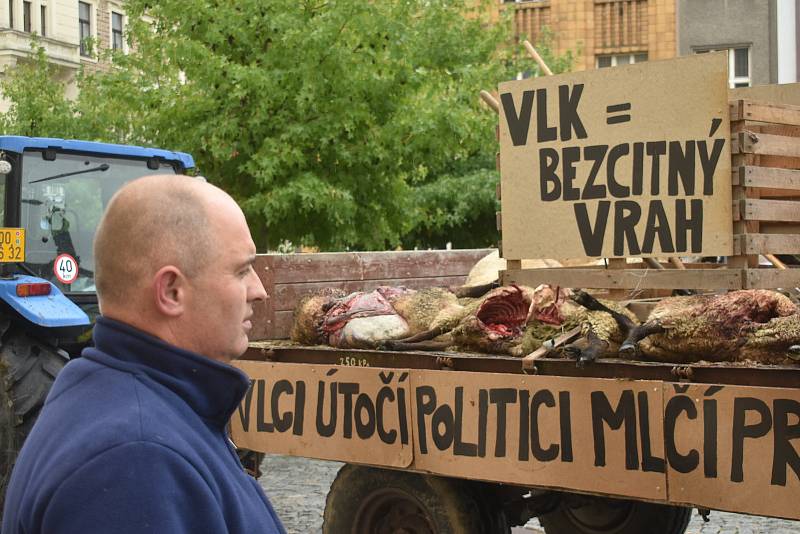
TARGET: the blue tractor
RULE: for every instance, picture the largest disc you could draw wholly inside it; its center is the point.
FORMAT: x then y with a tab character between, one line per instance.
53	194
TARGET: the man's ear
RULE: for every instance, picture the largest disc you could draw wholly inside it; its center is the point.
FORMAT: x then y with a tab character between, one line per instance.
169	285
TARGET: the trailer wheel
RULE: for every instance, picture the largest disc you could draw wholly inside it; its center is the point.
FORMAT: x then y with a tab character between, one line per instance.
28	368
366	500
598	515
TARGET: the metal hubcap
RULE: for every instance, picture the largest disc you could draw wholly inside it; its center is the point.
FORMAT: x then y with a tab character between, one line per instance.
391	511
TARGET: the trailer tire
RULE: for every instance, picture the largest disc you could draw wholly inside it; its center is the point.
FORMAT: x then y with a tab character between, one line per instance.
367	500
599	515
28	368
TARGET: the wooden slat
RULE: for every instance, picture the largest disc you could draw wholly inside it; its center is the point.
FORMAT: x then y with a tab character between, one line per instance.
757	127
751	176
766	144
283	325
628	278
763	112
771	278
766	244
783	162
264	313
779	228
287	295
335	266
769	210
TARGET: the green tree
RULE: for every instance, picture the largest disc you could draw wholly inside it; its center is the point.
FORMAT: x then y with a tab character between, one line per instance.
339	123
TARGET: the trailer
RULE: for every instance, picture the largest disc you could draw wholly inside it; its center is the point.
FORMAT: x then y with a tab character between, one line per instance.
595	165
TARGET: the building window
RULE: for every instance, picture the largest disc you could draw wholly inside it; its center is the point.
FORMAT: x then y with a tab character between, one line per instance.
43	20
85	26
738	64
620	59
26	17
11	14
117	42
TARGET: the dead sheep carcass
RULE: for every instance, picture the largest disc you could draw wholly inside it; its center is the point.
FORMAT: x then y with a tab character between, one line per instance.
752	325
364	319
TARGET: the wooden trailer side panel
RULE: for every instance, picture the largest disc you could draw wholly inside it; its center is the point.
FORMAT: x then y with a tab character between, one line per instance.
726	447
288	277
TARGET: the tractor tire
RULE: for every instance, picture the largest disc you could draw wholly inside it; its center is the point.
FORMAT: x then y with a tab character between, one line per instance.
368	500
599	515
28	368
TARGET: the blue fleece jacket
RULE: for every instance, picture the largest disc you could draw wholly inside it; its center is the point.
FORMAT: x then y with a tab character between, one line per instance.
133	439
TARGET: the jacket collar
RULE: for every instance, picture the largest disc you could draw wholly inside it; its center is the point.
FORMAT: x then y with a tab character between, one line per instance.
212	389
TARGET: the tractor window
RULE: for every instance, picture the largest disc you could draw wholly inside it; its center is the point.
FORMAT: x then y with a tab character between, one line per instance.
62	201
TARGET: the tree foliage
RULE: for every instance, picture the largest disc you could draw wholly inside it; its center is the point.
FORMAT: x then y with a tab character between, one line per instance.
338	124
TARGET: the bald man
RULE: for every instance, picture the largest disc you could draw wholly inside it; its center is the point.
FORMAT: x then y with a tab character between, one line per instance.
133	435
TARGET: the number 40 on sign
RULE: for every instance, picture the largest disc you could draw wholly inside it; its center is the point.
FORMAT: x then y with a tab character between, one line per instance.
65	268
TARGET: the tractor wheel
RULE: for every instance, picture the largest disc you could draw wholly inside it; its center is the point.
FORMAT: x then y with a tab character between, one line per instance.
367	500
28	368
599	515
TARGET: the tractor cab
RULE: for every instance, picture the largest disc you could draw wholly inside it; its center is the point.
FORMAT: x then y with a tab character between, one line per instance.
54	192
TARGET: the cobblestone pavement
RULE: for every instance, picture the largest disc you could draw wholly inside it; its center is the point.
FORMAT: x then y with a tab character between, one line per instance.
297	488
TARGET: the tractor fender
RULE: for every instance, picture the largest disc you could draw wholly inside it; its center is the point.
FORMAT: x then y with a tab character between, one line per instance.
50	311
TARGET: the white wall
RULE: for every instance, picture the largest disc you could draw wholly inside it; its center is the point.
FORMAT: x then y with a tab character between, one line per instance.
787	41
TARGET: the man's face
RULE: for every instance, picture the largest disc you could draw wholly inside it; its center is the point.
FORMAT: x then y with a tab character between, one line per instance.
220	298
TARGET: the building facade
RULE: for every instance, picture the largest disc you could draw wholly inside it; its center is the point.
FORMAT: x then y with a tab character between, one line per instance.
69	30
761	36
604	33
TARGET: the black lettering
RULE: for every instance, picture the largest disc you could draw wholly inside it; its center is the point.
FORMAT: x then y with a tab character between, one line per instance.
709	163
483	414
656	149
283	421
524	424
649	462
518	123
565	423
784	454
348	389
548	165
426	404
657	224
402	415
460	447
544	132
596	154
570	156
602	412
364	429
501	397
384	394
244	408
681	163
442	427
326	430
299	408
637	177
261	400
568	111
626	215
615	188
682	463
710	438
693	224
592	236
543	396
741	430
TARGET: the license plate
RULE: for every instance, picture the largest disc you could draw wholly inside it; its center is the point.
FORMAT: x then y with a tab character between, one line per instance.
12	244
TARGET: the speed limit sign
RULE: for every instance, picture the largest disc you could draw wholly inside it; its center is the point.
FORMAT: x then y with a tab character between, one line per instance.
65	268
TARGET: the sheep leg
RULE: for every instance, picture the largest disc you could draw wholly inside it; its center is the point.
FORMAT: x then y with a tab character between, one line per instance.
586	350
592	304
421	336
474	291
630	347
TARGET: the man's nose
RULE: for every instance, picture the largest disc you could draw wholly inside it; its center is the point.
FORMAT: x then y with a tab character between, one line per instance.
255	290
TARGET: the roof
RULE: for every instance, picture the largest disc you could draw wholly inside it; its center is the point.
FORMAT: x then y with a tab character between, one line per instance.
17	144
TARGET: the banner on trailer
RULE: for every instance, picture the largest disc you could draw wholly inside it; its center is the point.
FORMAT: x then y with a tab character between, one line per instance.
624	161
